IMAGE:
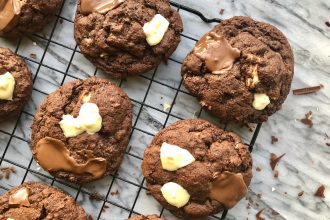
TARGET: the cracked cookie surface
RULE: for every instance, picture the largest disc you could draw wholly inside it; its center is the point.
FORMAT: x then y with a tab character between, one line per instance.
109	143
10	62
115	42
44	202
265	66
33	16
214	150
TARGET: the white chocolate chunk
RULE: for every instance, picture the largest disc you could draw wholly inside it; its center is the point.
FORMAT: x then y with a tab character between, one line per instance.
89	120
155	29
21	197
175	194
261	100
173	157
7	86
10	219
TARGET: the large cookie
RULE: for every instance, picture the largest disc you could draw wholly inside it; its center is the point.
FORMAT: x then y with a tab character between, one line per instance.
81	130
20	17
35	201
240	71
113	39
195	169
15	81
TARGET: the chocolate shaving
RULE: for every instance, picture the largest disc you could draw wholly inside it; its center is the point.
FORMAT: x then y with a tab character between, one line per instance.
307	90
221	11
258	169
327	23
95	196
320	191
258	215
274	159
274	213
274	139
308	119
301	193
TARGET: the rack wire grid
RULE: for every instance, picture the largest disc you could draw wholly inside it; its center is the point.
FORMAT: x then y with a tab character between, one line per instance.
55	59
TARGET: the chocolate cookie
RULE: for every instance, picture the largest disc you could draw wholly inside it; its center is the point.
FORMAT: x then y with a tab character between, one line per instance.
20	17
195	169
85	126
34	201
240	71
15	84
148	217
118	38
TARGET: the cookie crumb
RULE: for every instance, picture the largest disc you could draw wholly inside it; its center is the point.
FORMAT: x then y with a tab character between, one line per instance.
307	90
274	140
308	119
33	55
276	173
259	195
6	172
320	191
274	159
328	144
258	215
301	193
327	23
258	169
61	21
114	193
96	196
221	11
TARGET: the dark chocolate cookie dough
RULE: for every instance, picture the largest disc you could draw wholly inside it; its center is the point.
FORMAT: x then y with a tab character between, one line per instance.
240	71
112	38
148	217
217	179
20	17
34	201
10	62
88	155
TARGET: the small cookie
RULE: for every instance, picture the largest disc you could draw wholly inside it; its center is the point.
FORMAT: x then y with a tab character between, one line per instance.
148	217
18	18
215	174
34	201
15	84
127	37
85	126
241	71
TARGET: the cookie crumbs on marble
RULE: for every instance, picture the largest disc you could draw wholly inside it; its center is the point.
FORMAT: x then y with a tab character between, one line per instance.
274	140
328	144
114	193
221	11
301	193
276	173
33	55
320	191
274	159
5	172
258	169
327	23
308	119
274	213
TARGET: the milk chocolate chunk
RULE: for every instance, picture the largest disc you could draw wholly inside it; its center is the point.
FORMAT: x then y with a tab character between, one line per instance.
52	155
9	13
20	198
228	188
99	6
218	54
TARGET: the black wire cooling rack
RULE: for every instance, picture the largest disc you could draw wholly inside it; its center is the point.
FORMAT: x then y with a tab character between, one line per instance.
98	214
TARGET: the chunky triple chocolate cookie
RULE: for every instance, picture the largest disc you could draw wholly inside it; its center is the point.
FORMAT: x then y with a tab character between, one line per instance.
240	71
148	217
15	84
20	17
195	169
34	201
127	37
81	131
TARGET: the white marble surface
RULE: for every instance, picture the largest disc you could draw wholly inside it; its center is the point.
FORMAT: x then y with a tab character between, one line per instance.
305	166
